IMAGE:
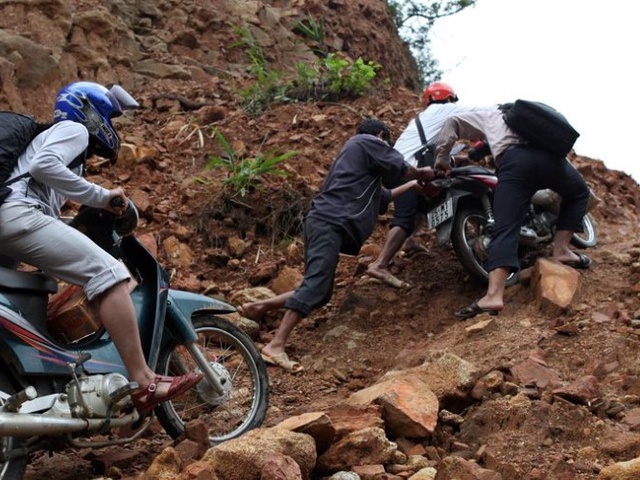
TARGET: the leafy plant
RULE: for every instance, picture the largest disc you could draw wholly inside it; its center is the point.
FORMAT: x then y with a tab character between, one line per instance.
245	174
307	74
330	77
359	76
350	79
246	41
314	31
311	29
257	96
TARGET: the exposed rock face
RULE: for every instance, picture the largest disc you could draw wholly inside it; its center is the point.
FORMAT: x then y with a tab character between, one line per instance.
48	43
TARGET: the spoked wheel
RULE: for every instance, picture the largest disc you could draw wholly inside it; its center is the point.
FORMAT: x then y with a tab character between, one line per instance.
242	404
588	238
470	241
12	464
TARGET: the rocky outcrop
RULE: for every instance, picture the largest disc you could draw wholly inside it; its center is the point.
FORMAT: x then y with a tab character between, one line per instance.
172	46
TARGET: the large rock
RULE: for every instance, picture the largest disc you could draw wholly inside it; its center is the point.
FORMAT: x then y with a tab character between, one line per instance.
409	407
457	468
445	373
629	470
245	458
369	446
316	424
555	285
33	64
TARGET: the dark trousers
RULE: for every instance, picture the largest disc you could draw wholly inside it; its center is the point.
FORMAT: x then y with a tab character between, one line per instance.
407	205
322	245
522	172
405	208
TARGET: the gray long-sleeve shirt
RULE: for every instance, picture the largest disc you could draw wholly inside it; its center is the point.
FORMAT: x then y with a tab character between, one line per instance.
479	124
51	182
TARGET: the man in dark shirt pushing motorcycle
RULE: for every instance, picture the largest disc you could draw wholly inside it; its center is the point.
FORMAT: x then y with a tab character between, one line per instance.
342	216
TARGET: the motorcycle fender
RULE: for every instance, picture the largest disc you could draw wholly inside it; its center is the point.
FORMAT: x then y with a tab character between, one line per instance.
183	306
443	232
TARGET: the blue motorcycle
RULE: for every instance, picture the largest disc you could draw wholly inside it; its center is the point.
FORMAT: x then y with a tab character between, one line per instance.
60	388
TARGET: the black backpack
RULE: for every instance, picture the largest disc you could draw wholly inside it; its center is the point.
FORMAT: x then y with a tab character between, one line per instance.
16	132
424	156
541	125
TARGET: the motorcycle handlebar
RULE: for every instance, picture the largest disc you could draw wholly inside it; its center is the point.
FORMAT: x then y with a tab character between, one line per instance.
479	150
116	202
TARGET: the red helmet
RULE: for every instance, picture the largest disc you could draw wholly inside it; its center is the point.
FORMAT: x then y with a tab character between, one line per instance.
439	92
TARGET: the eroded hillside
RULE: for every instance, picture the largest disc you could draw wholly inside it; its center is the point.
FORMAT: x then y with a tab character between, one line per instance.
178	58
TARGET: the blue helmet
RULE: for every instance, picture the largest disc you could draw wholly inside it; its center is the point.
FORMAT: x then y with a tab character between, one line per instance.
94	106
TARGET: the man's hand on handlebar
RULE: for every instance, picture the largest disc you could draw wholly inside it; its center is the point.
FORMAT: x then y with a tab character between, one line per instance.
118	201
442	169
426	174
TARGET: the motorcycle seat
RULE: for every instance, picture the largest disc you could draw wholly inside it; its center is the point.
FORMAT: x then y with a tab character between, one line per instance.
472	170
34	281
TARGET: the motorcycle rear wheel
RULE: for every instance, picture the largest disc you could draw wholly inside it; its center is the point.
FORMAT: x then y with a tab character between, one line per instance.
589	236
13	468
470	241
236	359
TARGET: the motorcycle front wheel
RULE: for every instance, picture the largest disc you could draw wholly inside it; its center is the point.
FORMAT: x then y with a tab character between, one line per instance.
470	241
12	464
235	359
588	238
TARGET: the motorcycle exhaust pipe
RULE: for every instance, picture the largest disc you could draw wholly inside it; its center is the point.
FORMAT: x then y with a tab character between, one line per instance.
27	425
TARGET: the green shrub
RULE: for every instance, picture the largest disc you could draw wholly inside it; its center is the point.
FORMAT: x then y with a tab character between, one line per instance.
350	79
311	29
329	77
314	31
245	174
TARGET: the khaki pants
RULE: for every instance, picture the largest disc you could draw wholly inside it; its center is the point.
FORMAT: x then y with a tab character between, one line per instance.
28	235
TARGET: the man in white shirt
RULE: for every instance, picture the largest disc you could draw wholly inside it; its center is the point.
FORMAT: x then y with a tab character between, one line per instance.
441	102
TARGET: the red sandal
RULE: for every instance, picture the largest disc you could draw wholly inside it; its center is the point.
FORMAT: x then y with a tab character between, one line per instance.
147	399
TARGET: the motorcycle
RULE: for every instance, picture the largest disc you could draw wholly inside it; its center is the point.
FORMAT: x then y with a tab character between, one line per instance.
73	391
459	208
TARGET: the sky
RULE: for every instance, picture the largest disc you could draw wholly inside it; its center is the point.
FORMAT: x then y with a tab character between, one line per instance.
578	56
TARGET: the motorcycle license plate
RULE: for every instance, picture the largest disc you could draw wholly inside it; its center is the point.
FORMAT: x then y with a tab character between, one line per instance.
440	214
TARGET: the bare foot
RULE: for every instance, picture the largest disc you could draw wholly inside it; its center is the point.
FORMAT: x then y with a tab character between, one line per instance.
411	247
566	257
281	359
490	302
271	351
386	276
252	311
409	244
486	305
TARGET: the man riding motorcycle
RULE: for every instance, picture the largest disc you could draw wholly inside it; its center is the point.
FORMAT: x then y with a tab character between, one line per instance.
31	232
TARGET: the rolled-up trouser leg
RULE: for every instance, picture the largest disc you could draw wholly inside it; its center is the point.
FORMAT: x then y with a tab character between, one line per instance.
30	236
